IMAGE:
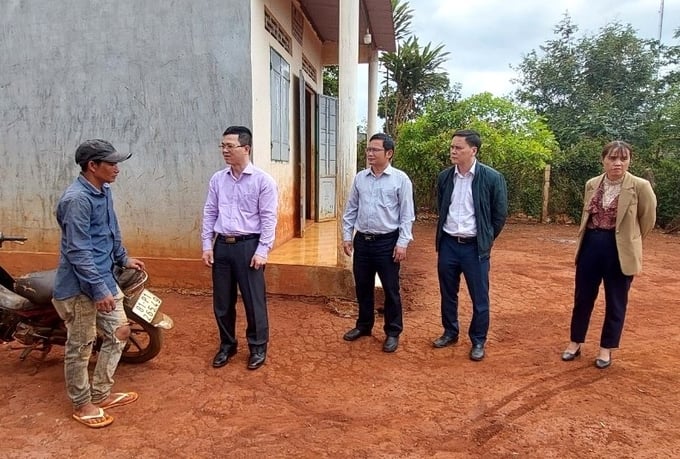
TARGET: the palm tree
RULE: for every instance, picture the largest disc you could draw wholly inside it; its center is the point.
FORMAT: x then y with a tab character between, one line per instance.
402	14
412	74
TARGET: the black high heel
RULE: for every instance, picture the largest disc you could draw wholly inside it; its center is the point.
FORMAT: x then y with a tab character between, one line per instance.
569	356
602	364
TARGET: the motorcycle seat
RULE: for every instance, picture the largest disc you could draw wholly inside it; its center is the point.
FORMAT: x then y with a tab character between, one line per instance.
35	289
37	286
131	281
13	302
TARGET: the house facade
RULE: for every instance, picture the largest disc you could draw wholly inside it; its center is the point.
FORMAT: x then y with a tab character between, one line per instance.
163	80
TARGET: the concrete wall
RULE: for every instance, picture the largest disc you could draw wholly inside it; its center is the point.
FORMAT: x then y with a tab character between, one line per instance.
159	79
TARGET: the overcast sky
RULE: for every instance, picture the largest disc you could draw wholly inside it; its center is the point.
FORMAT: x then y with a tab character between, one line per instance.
485	37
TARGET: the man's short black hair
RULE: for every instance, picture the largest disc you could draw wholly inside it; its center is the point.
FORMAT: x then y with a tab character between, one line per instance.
471	137
245	137
388	143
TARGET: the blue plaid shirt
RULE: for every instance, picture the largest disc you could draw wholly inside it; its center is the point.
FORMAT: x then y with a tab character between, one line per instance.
90	242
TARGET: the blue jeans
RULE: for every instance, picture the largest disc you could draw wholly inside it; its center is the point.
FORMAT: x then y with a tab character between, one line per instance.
456	258
82	322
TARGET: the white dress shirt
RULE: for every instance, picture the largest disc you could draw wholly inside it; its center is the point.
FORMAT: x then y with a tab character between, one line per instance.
460	220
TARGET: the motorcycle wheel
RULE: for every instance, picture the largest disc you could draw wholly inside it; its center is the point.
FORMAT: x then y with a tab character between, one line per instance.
145	340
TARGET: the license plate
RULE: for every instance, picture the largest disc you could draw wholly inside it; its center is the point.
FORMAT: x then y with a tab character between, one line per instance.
147	305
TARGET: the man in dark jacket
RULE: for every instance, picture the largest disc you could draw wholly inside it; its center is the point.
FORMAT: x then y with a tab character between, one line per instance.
473	205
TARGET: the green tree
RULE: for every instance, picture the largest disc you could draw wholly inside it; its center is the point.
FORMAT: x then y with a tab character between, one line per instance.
570	170
662	164
596	88
331	77
601	85
515	140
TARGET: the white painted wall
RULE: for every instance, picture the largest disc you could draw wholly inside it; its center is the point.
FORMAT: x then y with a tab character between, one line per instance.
262	42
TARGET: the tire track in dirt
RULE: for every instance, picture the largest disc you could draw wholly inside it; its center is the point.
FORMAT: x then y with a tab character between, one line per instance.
494	420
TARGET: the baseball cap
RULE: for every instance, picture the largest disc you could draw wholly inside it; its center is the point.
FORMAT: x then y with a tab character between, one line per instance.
98	149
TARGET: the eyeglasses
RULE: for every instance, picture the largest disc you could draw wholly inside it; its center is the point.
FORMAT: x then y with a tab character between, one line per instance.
226	146
374	150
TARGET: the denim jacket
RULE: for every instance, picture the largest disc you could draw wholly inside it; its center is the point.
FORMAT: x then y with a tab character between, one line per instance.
90	242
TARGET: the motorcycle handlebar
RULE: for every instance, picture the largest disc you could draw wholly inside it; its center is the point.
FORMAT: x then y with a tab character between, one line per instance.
18	239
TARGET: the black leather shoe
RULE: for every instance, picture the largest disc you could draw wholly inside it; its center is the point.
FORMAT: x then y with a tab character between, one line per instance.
257	359
477	352
569	356
222	357
445	340
391	344
355	334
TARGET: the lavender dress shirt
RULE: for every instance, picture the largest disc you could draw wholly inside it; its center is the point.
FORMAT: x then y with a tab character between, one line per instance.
238	206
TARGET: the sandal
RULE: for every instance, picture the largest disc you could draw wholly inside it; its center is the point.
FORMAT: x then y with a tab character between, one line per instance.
95	421
120	399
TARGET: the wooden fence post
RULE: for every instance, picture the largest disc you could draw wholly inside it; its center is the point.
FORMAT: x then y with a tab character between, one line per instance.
546	193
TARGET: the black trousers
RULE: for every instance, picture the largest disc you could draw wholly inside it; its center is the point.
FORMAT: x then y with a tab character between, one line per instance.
598	262
231	269
371	257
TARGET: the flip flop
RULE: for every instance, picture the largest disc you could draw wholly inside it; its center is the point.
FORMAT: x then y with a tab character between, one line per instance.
121	398
94	421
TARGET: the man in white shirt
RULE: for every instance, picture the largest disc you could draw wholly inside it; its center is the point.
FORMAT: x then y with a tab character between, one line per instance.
380	209
473	205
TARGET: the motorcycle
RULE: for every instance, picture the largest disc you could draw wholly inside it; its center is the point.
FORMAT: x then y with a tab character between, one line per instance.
28	316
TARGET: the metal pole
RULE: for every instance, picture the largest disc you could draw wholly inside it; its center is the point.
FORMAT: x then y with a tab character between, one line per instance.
660	21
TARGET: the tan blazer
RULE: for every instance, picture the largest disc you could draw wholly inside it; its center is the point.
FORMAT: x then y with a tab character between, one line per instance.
635	218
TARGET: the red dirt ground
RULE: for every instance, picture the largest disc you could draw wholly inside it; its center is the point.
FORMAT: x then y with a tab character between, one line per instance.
319	396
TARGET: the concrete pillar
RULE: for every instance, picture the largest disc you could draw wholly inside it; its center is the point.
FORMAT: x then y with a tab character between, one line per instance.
372	121
348	59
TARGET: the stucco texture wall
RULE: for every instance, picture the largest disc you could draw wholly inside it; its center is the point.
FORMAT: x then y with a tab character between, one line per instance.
159	79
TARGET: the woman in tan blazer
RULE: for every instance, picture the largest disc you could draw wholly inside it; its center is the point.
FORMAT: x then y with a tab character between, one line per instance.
619	210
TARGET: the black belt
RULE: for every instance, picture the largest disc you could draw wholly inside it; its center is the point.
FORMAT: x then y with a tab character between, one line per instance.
235	239
377	237
461	239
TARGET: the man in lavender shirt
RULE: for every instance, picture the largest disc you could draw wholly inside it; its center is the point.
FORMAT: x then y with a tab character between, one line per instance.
239	223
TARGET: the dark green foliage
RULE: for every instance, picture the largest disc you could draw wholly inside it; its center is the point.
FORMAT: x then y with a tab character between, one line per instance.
422	158
667	179
525	188
331	78
599	86
602	87
514	141
571	169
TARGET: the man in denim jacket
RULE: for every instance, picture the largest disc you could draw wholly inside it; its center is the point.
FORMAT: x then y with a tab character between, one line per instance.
86	294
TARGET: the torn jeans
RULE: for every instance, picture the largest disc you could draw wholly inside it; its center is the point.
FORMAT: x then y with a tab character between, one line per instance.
82	322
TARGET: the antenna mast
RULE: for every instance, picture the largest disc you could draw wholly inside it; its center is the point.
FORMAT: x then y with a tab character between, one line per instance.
660	21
